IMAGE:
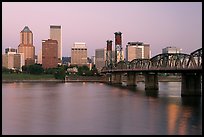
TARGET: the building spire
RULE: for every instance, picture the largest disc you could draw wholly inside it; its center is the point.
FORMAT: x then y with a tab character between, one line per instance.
26	29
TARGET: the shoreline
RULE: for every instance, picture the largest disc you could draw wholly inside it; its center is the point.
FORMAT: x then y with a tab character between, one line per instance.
92	79
85	80
10	81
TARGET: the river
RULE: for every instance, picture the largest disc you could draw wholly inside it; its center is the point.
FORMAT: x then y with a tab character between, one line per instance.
85	108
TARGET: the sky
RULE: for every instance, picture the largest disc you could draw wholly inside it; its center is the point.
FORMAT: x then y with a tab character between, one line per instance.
160	24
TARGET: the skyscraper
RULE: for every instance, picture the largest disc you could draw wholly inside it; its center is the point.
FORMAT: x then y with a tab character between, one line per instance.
56	34
10	50
39	61
137	50
100	57
12	60
49	53
26	46
79	54
171	50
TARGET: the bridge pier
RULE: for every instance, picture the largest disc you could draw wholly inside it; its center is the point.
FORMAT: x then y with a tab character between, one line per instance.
116	78
151	81
108	78
191	84
131	79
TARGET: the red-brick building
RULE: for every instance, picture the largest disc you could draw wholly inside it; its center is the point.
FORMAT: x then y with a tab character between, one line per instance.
49	53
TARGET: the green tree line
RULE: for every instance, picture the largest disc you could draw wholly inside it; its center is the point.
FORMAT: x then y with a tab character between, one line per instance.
59	72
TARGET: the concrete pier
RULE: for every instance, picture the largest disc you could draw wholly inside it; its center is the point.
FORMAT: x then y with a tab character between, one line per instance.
108	78
151	81
116	78
131	79
191	84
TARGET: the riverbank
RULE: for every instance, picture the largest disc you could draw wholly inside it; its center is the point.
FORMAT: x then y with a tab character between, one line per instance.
24	76
139	78
6	78
21	77
48	80
169	78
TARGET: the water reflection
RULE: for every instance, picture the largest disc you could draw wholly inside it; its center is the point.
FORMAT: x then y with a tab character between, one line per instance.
152	93
97	108
191	101
181	119
172	112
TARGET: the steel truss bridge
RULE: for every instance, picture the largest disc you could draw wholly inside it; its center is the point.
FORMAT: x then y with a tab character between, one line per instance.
169	62
189	65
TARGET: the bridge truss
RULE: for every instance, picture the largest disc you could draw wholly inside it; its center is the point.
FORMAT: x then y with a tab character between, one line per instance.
167	61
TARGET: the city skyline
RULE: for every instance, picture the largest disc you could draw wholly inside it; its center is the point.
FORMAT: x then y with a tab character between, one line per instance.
177	24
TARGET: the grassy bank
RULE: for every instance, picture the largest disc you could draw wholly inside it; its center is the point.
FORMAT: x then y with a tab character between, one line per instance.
49	77
21	76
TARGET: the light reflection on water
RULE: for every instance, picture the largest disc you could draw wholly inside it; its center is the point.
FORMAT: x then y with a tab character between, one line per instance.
97	108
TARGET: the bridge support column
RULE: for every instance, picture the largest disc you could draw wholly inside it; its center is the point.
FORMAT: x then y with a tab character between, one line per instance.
191	84
108	78
116	78
151	81
131	79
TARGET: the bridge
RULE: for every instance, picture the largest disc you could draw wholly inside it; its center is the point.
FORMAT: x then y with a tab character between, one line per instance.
188	65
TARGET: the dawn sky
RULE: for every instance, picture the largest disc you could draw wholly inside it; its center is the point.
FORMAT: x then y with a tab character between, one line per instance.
159	24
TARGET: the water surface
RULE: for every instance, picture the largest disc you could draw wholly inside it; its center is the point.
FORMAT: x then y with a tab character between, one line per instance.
97	108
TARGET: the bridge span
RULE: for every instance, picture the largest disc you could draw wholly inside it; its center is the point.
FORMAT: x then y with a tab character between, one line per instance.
188	65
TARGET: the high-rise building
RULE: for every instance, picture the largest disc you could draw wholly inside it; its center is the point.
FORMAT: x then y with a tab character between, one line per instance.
5	60
39	61
137	50
36	58
8	61
17	61
10	50
22	62
49	53
171	50
12	60
26	46
79	54
93	60
100	57
56	34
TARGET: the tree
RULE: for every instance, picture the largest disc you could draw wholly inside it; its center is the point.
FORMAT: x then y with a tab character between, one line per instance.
34	69
94	70
50	70
6	70
25	69
83	70
60	73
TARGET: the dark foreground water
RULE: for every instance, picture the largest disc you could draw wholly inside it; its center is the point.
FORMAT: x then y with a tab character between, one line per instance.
96	108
